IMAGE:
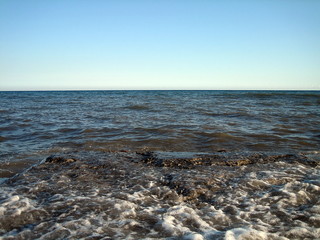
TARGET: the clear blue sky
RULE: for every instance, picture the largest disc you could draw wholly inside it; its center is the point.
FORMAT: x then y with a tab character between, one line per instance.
168	44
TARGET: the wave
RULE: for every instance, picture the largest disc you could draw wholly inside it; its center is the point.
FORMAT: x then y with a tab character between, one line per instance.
159	195
137	107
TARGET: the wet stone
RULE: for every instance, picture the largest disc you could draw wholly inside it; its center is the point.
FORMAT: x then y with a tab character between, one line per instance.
59	159
191	160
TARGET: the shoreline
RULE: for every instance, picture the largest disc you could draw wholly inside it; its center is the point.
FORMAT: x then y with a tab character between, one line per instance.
145	194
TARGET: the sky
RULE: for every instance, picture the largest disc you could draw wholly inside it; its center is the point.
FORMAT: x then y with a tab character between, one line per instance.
167	44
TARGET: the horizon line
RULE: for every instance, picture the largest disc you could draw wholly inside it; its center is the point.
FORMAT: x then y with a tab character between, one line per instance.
87	90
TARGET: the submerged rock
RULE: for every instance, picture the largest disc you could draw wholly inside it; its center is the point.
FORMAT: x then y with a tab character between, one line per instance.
59	159
190	160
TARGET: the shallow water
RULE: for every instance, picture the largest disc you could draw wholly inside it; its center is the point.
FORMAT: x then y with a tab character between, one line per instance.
128	195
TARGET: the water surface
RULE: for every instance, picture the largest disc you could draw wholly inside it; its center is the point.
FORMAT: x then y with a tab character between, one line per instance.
160	165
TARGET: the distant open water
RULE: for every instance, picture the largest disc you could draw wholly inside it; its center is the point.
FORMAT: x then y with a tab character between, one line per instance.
34	125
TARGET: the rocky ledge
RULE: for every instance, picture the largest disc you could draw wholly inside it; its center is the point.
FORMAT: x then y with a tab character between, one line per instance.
190	160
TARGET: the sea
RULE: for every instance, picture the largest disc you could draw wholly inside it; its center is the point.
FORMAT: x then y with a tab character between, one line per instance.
159	164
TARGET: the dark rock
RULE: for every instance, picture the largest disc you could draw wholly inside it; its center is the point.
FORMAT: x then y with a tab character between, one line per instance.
192	160
54	159
222	150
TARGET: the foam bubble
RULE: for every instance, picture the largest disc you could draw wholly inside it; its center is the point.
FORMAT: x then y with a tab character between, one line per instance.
245	234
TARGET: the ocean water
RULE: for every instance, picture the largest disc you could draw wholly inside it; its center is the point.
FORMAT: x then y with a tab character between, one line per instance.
34	125
160	165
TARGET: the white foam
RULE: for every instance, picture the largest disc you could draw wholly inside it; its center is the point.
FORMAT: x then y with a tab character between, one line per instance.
259	202
315	209
245	234
11	200
299	232
15	205
219	216
193	236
